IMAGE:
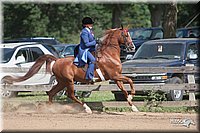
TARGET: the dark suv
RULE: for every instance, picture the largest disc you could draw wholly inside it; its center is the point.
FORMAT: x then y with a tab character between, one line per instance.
191	32
175	52
141	35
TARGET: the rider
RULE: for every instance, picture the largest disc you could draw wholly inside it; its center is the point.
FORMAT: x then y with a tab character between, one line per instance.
87	45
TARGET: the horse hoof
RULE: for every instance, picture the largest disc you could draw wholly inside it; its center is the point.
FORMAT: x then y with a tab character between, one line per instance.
134	108
87	109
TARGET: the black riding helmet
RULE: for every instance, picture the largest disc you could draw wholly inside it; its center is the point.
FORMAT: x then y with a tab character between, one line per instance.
87	20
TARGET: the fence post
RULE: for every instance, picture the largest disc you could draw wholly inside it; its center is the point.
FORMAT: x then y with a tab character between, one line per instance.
191	80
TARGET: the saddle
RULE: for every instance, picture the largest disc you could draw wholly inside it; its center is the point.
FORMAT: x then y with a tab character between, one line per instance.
96	54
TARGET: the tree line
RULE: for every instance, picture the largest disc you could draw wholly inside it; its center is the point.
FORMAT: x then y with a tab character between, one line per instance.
63	20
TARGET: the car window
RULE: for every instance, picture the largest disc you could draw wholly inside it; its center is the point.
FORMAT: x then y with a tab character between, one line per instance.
179	34
141	34
6	54
69	50
22	56
157	34
192	51
51	49
35	53
170	51
59	48
193	33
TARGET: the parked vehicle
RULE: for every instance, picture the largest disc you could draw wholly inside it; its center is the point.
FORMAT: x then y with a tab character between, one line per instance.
139	36
175	52
44	40
65	49
192	32
18	56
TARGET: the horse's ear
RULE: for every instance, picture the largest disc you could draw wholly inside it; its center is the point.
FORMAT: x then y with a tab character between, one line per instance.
122	26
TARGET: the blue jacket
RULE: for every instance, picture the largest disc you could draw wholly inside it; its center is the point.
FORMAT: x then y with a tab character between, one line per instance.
87	43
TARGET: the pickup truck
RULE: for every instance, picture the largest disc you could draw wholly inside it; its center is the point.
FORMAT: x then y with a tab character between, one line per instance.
176	52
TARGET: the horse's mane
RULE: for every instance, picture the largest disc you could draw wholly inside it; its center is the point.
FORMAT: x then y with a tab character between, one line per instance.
106	36
105	41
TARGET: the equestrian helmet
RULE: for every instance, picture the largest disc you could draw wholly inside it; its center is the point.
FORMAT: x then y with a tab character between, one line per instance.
87	20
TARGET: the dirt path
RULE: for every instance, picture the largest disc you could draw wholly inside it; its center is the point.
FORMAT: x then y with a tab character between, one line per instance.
70	117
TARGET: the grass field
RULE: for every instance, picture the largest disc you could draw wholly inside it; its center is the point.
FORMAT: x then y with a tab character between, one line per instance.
101	96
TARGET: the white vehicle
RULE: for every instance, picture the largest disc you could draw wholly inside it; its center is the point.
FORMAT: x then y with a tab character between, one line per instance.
16	60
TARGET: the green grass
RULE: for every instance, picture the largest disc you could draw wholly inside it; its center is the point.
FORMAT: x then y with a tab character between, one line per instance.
96	96
156	109
32	96
104	96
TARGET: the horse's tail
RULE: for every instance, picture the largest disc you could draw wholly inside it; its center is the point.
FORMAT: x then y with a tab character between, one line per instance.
33	70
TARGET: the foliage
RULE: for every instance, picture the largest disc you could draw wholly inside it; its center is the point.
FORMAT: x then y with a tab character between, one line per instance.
63	20
137	15
187	11
155	98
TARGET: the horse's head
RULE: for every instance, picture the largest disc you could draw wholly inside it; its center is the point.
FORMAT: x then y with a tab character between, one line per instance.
119	36
126	40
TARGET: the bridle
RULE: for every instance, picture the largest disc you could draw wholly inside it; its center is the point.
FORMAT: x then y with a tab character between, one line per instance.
126	43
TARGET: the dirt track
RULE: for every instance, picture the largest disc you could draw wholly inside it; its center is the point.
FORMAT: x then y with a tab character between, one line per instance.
71	117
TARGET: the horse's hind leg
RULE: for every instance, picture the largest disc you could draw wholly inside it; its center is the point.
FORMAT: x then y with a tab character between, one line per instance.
55	89
70	91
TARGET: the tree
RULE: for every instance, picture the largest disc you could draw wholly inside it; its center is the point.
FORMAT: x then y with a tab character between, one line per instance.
116	15
156	11
136	15
170	20
63	20
189	11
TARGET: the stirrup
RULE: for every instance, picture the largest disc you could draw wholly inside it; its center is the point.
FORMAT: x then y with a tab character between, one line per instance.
94	79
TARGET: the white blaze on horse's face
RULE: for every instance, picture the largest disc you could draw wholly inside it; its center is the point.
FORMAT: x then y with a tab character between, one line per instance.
133	46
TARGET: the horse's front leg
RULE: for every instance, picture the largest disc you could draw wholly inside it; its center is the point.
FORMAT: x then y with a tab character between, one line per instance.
128	96
126	79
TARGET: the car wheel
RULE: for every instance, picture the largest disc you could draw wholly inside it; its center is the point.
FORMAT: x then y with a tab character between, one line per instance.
175	95
7	93
119	96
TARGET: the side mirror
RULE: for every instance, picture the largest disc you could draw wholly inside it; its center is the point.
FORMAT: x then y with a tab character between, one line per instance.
129	57
193	56
20	59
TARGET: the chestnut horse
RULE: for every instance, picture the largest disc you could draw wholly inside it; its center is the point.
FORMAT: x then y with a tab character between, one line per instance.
108	61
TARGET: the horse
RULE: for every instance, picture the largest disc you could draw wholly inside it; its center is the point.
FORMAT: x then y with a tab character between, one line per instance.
107	60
